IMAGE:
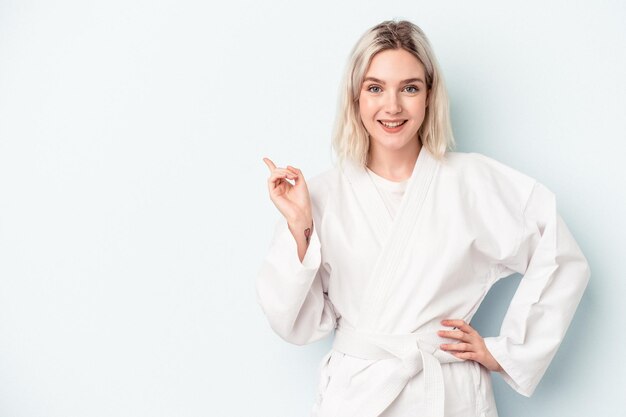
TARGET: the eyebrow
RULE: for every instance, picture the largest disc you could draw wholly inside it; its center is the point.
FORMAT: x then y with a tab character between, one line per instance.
410	80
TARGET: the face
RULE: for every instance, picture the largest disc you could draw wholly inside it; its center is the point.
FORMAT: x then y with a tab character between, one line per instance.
393	99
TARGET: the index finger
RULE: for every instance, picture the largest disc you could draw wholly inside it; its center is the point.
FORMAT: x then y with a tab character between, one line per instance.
269	164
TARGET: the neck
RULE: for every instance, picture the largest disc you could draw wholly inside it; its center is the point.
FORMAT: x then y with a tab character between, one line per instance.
394	165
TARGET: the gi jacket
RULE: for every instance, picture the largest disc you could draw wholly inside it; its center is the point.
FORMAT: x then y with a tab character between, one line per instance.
383	285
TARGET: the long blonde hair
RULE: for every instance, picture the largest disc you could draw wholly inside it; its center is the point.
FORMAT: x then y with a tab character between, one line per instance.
350	138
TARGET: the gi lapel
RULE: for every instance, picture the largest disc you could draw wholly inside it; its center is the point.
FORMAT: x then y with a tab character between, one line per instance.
393	235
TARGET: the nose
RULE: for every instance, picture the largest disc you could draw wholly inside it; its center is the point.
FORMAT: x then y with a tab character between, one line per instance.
392	104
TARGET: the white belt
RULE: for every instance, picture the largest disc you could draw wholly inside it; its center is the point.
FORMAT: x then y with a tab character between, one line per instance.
418	352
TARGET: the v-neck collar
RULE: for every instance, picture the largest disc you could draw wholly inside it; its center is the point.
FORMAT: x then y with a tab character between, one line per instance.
386	184
371	201
391	192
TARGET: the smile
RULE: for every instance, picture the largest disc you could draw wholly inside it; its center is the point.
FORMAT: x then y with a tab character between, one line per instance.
392	125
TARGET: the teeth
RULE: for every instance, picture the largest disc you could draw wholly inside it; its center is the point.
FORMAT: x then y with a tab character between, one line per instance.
391	124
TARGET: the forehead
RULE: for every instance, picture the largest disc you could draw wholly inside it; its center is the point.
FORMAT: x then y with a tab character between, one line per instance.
395	64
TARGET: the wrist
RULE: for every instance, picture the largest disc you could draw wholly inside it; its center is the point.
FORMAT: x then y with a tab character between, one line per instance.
300	224
497	367
302	231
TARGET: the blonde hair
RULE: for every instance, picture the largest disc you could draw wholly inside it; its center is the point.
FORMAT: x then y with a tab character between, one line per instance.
350	138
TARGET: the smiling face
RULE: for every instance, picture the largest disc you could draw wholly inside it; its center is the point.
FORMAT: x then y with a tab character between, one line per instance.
393	100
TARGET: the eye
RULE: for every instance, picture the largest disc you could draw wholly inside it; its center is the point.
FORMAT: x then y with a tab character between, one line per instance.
411	89
374	89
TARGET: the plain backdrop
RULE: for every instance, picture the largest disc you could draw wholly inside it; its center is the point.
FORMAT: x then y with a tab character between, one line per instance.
134	212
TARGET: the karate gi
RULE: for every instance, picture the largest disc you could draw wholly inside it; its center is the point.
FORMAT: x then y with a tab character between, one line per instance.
383	283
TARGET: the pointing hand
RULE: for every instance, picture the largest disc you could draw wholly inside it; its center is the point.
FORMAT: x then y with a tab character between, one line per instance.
292	200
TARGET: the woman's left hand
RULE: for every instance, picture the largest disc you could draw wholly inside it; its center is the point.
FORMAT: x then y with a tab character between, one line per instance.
470	346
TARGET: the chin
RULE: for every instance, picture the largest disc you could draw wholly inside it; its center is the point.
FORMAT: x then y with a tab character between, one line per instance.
393	144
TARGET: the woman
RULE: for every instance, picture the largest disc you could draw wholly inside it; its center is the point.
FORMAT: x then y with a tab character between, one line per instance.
396	247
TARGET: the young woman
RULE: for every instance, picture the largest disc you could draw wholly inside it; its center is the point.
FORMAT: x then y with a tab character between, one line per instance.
395	248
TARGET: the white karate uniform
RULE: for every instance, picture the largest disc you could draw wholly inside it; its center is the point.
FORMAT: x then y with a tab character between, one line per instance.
382	272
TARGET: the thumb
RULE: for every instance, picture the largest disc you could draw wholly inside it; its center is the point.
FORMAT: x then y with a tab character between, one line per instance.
299	177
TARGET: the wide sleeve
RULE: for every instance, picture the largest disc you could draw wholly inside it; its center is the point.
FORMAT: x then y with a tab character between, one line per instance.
291	292
555	275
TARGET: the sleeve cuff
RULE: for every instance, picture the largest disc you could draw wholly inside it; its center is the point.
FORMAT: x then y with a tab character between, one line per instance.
287	247
511	374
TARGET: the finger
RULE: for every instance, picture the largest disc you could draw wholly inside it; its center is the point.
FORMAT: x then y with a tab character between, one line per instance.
453	334
459	324
277	176
294	169
461	347
284	172
465	355
269	164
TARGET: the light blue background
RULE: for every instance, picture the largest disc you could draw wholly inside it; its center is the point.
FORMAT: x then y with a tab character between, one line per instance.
133	205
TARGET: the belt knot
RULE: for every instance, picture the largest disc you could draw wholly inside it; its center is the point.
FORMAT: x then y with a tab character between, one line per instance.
417	353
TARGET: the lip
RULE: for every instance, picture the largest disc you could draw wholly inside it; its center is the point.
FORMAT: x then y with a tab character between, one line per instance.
392	129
